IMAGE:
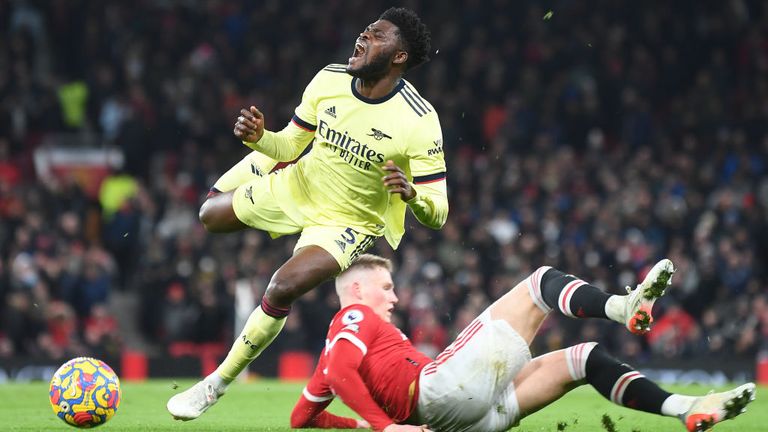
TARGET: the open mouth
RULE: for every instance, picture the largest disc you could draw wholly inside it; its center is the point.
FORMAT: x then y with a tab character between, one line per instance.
358	52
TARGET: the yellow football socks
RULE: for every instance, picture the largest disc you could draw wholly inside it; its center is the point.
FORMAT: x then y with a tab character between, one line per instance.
259	331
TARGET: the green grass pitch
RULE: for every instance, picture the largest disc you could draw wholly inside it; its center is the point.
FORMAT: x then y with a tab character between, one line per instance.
264	405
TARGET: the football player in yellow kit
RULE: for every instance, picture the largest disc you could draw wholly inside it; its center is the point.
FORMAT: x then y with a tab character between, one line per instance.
377	149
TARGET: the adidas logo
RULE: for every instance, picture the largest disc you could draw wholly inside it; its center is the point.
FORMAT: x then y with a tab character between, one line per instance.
331	111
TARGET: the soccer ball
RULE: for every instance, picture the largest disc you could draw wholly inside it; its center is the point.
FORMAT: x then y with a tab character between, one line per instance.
85	392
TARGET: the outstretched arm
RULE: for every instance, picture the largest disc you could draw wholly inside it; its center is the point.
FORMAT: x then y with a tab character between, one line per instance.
345	380
309	410
312	414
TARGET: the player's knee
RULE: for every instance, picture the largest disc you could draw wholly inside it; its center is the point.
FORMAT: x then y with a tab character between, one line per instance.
206	216
543	269
282	292
217	215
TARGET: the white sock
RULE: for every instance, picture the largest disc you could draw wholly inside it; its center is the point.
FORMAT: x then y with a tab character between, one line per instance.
677	405
614	308
219	383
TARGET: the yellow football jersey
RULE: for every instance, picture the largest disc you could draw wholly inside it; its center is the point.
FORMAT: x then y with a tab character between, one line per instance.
339	182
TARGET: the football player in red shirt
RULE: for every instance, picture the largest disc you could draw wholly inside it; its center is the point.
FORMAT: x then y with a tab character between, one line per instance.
485	380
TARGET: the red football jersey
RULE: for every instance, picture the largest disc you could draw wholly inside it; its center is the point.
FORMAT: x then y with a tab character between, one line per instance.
389	367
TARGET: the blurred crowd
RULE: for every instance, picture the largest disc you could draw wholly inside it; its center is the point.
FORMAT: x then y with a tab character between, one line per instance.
596	139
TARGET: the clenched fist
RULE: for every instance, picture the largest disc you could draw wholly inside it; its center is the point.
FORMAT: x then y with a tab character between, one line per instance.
249	126
396	181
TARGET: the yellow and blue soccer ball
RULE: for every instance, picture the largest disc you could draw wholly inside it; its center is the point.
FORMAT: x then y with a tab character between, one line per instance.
85	392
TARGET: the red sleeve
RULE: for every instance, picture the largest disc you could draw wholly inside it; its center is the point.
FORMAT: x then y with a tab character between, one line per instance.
308	414
309	411
343	376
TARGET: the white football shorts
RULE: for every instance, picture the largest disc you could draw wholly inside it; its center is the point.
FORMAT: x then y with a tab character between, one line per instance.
469	385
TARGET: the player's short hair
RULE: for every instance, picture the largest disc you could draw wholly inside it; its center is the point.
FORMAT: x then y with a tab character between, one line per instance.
414	34
369	261
363	262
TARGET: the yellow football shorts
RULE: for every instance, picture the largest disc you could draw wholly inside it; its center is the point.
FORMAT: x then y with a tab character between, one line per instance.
255	205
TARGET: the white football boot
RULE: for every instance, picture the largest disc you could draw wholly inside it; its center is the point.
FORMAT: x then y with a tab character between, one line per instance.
639	302
716	407
193	402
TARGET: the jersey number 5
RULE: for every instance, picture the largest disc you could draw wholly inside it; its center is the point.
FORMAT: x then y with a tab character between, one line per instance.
349	238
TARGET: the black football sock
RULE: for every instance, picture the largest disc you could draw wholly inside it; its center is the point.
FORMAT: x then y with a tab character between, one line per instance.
552	289
621	384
